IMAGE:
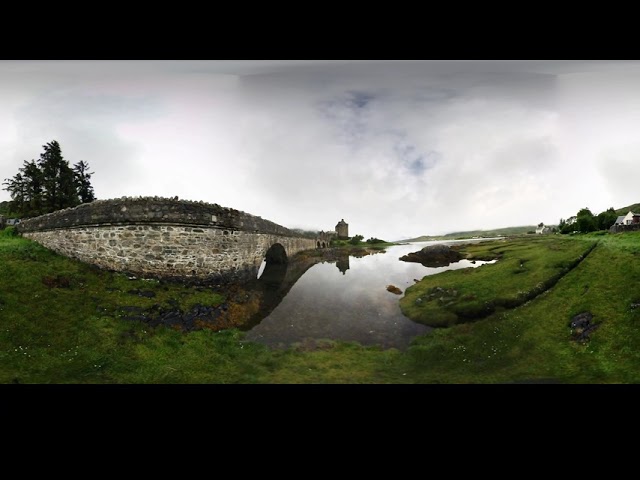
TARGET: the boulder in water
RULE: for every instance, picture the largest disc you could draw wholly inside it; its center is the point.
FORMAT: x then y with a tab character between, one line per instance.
394	289
433	256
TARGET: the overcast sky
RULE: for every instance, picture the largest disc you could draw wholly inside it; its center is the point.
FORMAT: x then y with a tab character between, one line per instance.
398	149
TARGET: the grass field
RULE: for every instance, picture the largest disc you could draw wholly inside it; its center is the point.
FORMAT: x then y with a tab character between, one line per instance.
59	324
525	268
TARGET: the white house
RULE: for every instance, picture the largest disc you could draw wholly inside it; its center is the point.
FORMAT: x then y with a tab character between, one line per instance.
628	219
543	230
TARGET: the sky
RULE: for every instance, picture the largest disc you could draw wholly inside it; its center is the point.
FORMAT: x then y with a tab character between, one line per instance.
397	149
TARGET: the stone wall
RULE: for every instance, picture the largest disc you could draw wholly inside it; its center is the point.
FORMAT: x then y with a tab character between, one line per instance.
164	238
154	210
625	228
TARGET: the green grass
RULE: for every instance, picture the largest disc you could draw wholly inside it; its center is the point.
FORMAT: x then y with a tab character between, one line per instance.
346	245
533	341
64	335
525	268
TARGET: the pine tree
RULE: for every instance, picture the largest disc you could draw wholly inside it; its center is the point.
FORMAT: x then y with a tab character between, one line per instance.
49	184
33	188
57	178
83	185
16	188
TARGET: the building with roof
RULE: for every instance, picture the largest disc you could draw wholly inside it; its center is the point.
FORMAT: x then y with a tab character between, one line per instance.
628	219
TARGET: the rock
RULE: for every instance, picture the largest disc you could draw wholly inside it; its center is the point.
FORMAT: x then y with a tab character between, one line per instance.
582	326
584	335
394	289
433	256
582	320
172	318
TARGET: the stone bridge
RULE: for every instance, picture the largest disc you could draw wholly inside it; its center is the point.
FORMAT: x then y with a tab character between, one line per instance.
167	238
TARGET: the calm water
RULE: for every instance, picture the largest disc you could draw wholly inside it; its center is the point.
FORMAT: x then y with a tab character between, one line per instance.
348	300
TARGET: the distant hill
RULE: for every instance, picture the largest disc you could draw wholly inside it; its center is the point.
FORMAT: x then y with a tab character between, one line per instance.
635	208
476	233
502	231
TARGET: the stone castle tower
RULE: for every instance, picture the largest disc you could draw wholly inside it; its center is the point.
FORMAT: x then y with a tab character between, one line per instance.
342	229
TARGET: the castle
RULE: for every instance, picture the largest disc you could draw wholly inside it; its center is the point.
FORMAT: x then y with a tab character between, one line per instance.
342	229
341	232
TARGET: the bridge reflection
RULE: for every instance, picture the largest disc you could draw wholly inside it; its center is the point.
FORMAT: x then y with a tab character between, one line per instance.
277	279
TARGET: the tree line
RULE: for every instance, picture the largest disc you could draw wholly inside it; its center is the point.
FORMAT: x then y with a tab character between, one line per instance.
49	184
585	221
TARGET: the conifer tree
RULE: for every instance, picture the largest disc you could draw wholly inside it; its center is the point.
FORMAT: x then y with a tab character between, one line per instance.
49	184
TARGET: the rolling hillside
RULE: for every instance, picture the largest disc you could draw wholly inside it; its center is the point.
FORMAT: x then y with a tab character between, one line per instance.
624	210
475	233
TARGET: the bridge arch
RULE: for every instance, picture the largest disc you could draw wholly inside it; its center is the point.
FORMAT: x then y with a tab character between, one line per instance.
274	265
276	255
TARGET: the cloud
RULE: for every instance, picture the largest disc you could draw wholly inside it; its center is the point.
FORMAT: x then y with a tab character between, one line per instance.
397	149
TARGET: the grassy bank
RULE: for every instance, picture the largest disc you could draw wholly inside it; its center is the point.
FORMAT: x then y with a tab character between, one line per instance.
533	341
526	267
348	246
59	324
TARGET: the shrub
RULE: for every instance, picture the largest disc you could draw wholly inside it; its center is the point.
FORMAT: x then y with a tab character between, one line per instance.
356	239
9	232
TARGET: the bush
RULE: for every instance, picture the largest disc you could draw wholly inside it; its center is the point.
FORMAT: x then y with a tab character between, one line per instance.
9	232
356	240
375	240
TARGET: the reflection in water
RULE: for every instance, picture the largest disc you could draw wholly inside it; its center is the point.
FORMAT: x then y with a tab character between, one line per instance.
306	299
343	263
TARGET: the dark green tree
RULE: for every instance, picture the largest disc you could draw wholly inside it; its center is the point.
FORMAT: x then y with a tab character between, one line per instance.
49	184
561	223
605	219
375	240
17	189
585	221
566	226
58	179
83	184
356	239
33	188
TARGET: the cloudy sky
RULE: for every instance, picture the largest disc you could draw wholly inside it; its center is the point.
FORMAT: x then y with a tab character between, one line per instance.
398	149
